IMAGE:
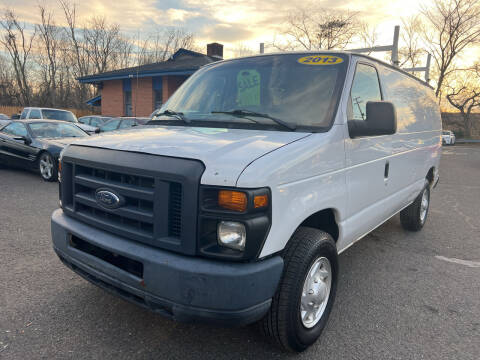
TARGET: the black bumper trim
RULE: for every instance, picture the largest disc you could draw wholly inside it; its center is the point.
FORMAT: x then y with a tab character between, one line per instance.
168	309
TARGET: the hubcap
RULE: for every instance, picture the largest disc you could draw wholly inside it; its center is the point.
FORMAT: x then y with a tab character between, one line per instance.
424	205
316	291
46	167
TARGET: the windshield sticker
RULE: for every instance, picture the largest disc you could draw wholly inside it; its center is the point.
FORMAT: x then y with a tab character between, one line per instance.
248	88
320	60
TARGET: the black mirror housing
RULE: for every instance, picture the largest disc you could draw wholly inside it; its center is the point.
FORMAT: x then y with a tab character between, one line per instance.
381	120
25	139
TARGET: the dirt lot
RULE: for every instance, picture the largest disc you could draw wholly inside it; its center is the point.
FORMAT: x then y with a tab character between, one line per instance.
400	296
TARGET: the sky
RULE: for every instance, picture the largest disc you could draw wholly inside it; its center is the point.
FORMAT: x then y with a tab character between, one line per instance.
233	23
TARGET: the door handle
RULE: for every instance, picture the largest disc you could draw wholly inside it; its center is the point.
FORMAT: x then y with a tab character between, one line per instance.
387	170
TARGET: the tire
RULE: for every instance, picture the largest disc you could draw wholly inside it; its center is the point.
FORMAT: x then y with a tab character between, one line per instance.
47	167
283	322
415	215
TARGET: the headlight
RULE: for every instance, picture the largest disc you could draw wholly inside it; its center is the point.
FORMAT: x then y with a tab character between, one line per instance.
230	215
232	234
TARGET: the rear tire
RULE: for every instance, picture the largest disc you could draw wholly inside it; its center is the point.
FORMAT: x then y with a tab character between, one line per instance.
415	215
305	296
47	167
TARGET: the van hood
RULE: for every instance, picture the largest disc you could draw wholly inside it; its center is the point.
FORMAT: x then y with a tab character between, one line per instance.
225	152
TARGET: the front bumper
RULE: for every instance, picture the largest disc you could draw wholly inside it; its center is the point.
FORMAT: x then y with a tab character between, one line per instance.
182	287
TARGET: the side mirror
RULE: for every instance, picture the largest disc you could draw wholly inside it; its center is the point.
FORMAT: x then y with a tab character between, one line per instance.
97	131
25	139
381	120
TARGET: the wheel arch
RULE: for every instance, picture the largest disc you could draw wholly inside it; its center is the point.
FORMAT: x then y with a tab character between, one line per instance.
431	175
325	220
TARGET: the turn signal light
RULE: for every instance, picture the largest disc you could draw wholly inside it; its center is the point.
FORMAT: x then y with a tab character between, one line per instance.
260	201
232	200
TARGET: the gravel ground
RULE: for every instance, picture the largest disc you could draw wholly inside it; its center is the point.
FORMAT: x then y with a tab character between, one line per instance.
401	295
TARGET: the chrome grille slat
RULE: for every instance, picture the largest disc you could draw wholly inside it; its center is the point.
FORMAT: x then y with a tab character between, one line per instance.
127	190
127	212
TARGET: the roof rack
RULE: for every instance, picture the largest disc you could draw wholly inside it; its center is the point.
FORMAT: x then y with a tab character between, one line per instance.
394	59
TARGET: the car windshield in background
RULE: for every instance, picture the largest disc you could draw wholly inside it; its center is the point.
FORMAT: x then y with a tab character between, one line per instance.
58	115
284	91
55	130
446	132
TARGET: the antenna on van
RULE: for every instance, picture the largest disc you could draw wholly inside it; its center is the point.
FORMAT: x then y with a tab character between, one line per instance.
393	48
425	68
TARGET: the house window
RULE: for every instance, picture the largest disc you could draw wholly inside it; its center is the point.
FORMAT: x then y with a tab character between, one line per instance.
157	92
127	97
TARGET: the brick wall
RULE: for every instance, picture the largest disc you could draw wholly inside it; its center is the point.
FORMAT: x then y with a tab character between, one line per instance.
143	98
112	98
170	84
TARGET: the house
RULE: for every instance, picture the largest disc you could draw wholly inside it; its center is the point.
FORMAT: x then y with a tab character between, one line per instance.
138	91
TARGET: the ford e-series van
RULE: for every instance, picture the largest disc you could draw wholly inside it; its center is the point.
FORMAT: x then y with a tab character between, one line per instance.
233	205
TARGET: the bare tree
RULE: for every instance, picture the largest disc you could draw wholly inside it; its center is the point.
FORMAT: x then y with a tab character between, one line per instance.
80	54
464	95
18	43
318	29
412	52
50	42
8	90
160	45
102	41
367	35
242	49
451	26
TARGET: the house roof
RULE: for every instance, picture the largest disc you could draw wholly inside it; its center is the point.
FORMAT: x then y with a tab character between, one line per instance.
183	62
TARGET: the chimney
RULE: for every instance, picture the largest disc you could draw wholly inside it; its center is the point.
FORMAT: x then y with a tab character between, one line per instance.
215	50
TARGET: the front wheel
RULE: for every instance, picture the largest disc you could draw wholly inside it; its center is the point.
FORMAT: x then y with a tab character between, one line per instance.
47	167
305	296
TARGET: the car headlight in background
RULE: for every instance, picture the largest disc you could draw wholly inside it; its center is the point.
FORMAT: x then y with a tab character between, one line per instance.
232	234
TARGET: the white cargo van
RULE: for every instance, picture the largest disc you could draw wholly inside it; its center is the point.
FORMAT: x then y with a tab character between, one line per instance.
233	206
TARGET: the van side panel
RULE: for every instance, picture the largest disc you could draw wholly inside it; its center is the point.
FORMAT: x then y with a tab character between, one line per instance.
304	177
416	146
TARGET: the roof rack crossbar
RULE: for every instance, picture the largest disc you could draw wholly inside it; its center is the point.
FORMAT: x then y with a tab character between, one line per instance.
425	69
393	48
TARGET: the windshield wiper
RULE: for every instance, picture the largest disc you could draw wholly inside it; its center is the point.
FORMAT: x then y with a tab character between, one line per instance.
171	113
245	113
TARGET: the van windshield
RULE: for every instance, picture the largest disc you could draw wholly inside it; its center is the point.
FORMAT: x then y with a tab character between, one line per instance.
292	91
51	114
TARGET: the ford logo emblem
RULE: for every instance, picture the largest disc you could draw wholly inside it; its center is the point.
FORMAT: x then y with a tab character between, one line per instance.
108	199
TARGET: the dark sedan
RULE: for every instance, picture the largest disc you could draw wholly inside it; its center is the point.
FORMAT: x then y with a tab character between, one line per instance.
36	144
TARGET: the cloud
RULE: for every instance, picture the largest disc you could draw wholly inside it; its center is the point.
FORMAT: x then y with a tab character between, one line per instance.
228	21
227	33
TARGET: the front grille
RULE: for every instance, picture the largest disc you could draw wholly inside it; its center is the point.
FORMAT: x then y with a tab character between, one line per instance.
175	210
156	209
135	218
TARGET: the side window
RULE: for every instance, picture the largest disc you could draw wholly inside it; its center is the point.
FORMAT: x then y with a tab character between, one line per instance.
24	114
35	114
111	125
126	123
16	129
84	120
96	122
365	87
